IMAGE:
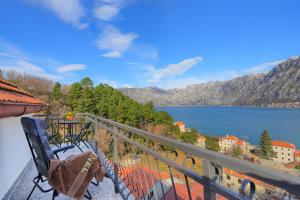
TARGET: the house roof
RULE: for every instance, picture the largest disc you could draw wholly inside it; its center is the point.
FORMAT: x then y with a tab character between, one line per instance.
284	144
230	137
179	123
15	102
240	142
242	176
297	153
10	93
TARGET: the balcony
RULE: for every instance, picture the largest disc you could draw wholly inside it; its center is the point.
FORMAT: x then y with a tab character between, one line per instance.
142	165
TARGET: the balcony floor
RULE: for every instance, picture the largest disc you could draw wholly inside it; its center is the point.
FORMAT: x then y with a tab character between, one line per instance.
105	190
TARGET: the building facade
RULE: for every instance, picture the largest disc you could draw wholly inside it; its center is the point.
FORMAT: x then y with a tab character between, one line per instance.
181	126
15	154
227	143
284	151
200	141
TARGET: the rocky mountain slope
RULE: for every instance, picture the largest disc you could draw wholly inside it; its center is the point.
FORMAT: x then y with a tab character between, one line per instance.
280	85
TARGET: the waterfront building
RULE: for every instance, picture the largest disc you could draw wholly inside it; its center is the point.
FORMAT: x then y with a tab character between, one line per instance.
227	143
181	126
201	141
284	151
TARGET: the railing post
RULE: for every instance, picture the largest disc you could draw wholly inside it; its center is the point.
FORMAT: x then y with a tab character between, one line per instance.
209	174
116	167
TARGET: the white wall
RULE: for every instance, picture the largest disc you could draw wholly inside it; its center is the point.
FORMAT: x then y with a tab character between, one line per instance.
14	152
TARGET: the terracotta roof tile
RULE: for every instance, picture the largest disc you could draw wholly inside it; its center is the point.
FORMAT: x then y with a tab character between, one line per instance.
240	142
179	123
230	137
297	153
242	176
10	93
284	144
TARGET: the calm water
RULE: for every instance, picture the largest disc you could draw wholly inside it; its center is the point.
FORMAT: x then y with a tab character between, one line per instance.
244	122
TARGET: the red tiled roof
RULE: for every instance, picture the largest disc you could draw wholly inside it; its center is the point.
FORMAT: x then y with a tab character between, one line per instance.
10	93
297	153
179	123
230	137
196	190
242	176
240	142
284	144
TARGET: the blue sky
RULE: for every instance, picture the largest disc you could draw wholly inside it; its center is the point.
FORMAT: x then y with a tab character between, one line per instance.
141	43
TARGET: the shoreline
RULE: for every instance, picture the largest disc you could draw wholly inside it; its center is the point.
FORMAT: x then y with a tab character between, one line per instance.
241	106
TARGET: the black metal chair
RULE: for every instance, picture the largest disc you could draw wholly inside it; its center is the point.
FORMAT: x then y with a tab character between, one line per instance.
36	134
75	139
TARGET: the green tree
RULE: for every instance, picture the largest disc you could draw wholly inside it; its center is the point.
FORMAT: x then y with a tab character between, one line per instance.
212	143
265	145
56	92
74	95
190	136
236	151
86	82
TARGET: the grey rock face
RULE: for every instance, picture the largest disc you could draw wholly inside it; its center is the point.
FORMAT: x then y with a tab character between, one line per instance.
280	85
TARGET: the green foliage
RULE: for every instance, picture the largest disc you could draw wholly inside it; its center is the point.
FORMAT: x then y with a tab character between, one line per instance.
212	143
110	103
56	92
74	95
190	137
265	145
236	151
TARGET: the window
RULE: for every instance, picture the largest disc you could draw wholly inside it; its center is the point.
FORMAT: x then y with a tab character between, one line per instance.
228	177
228	185
289	159
239	181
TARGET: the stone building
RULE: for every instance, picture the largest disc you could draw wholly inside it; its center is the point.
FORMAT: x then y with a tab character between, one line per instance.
227	143
284	151
181	126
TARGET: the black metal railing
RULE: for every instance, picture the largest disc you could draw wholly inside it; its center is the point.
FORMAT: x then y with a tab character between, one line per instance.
144	165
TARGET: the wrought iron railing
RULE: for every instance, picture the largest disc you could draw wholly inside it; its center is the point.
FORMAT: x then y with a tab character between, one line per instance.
144	165
150	166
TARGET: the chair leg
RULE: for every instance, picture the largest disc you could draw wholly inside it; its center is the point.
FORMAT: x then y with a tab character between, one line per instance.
88	195
85	144
31	192
54	194
76	144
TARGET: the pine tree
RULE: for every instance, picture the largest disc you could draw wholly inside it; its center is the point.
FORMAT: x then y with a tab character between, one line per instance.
265	145
56	92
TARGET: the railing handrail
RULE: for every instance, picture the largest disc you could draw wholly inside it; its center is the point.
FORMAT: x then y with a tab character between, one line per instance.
267	175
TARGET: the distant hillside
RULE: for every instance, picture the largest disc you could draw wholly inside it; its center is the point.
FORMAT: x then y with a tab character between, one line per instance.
281	85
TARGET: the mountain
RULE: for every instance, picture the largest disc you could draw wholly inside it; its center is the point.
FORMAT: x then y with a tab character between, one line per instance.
279	86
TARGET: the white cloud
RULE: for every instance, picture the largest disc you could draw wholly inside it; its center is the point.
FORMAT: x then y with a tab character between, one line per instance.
70	11
112	54
106	12
70	68
172	70
30	68
116	42
263	67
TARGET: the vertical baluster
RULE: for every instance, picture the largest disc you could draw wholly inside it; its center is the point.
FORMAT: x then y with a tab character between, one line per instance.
209	173
115	138
161	185
188	186
152	177
173	184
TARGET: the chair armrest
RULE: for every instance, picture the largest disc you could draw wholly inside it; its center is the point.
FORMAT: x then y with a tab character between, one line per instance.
63	149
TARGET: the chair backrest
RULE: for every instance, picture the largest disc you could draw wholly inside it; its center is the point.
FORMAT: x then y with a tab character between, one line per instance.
36	134
84	130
